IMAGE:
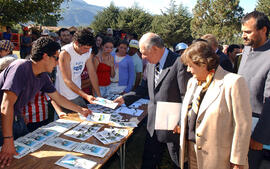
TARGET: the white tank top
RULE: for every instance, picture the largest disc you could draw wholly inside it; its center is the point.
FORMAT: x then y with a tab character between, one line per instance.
77	64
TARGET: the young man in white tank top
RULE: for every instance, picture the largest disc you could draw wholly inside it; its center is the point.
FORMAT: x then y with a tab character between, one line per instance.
72	60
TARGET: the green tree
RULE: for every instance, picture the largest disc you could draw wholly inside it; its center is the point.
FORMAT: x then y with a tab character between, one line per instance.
173	25
134	20
264	6
219	17
106	19
14	11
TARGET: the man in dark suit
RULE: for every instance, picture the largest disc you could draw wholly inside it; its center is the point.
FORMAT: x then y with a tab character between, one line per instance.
255	67
223	59
166	81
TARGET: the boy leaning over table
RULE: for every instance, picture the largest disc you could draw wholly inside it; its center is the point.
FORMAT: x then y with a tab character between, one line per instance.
19	82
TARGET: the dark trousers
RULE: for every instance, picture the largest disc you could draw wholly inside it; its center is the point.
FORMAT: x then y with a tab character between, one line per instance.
33	126
255	158
153	150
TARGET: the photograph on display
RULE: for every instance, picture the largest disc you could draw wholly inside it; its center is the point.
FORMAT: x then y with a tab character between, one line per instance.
62	143
75	162
83	131
92	149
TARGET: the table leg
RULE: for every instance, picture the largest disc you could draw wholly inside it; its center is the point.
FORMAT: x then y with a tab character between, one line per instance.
122	155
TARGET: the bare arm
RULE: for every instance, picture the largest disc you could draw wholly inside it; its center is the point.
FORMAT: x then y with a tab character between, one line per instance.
137	80
64	65
58	109
62	101
7	111
93	75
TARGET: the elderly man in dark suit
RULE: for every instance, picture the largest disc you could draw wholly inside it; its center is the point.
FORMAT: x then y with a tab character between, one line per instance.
255	67
166	81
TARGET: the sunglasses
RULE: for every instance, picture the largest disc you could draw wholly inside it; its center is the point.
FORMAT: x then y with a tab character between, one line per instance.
55	57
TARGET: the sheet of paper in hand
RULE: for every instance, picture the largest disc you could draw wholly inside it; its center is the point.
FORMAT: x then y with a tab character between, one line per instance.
167	115
62	143
75	162
92	149
83	131
105	102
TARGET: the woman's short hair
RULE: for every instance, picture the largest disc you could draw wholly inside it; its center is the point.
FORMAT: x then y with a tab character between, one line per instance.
201	53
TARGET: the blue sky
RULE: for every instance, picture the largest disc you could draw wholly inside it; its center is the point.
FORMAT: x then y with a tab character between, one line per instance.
154	6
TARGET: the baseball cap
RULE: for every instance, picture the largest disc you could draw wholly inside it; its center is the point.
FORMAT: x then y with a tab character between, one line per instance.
180	46
134	44
45	32
110	31
6	45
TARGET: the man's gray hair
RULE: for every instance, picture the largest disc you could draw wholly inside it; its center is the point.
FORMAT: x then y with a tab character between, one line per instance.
153	40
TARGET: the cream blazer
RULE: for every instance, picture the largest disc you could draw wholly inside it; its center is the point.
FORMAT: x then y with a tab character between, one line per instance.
223	126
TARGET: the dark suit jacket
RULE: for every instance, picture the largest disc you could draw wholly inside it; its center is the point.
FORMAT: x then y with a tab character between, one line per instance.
224	61
255	67
171	87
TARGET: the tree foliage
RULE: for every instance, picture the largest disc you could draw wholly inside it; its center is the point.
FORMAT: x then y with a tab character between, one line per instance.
173	25
219	17
108	18
264	6
14	11
134	20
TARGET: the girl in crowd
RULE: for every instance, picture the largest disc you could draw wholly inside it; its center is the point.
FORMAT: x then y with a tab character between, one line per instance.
104	65
124	70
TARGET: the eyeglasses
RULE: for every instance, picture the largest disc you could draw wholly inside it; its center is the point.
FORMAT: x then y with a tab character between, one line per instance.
55	57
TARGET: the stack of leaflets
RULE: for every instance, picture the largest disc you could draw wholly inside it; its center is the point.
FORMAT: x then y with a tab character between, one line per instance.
30	143
116	117
62	143
61	125
42	135
132	112
84	131
92	149
99	109
125	124
75	162
111	135
22	150
99	117
105	102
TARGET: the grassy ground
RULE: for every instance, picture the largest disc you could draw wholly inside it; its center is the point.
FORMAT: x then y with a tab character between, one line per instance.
134	152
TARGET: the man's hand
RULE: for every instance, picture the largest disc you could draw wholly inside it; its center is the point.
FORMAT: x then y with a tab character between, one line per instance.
176	130
85	112
90	99
119	100
254	145
235	166
7	152
62	115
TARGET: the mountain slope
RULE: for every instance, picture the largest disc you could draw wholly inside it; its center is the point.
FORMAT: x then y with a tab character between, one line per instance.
78	13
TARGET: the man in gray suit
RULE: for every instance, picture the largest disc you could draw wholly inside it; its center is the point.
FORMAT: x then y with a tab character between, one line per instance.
255	67
166	81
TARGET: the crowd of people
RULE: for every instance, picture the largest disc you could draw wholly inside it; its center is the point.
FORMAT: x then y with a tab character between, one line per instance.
225	93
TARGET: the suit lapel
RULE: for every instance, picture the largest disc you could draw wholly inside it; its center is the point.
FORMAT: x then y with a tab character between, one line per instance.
166	68
212	92
151	78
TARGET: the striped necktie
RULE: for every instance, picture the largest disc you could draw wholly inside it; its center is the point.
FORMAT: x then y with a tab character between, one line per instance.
157	73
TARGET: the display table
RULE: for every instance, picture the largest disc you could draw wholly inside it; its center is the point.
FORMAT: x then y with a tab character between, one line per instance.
46	156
